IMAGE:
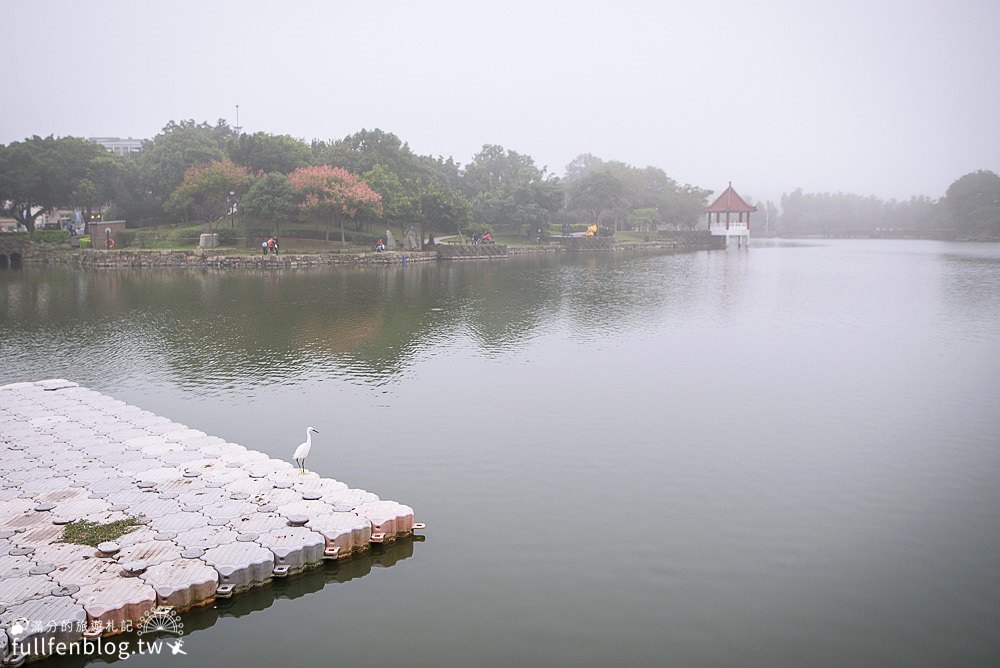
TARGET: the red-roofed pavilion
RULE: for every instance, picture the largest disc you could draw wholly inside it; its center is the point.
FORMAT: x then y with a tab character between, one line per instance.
728	203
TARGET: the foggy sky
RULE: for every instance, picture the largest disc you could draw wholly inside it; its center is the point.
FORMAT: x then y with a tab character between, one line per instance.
883	98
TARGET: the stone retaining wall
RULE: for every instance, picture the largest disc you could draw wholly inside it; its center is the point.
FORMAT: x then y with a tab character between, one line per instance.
535	250
470	251
208	260
583	244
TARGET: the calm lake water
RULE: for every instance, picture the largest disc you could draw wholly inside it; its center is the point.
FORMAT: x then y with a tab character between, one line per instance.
787	455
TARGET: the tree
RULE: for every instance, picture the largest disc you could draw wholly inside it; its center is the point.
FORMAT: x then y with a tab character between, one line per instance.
133	198
360	152
334	193
974	203
205	192
400	199
594	194
165	160
262	152
271	199
684	206
508	192
583	164
647	188
442	207
845	214
644	220
39	175
101	185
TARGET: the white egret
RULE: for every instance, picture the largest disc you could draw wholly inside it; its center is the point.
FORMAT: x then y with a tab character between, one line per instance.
302	451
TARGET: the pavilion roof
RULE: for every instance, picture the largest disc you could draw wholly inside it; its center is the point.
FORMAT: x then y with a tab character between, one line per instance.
729	201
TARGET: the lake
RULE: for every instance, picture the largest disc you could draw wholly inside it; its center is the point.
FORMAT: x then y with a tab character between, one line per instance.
785	455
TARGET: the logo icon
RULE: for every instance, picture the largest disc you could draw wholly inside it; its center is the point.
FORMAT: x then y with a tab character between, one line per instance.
18	626
161	620
175	647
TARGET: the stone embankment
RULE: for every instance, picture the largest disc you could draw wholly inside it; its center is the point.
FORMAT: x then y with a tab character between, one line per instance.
663	242
195	259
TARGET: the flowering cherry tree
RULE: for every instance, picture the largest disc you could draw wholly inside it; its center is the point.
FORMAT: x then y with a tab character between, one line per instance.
334	193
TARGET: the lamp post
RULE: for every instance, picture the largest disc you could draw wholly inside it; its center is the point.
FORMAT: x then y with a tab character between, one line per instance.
231	202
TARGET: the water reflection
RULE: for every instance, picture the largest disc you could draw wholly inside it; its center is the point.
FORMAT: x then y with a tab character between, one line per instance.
202	329
811	428
255	600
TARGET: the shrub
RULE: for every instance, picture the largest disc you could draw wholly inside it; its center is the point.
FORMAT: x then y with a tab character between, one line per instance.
227	236
50	236
85	242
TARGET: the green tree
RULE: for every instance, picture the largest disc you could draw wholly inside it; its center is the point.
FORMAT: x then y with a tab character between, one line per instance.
595	194
180	146
508	192
39	174
684	206
271	199
101	185
133	199
644	220
206	192
974	204
360	152
442	208
263	152
646	188
400	198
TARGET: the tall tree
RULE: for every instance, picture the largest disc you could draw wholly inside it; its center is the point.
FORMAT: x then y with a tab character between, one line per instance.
164	161
361	151
442	208
334	193
38	175
270	200
262	152
508	192
206	191
974	204
596	193
400	198
646	188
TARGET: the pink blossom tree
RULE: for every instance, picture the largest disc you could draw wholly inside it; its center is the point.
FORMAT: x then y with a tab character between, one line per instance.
334	194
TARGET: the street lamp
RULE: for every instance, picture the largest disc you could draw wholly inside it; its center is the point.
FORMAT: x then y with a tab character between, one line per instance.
231	201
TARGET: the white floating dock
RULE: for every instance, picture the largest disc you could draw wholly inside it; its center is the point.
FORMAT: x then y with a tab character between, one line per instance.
217	518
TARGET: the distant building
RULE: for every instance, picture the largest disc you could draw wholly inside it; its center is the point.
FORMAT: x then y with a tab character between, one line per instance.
118	146
105	233
67	219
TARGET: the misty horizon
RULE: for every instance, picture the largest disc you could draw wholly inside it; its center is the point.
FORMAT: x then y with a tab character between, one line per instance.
892	101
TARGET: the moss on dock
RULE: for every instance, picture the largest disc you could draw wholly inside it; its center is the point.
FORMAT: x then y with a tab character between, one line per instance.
84	532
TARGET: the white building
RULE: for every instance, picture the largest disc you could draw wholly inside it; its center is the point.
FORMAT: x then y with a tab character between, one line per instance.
118	146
